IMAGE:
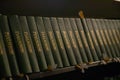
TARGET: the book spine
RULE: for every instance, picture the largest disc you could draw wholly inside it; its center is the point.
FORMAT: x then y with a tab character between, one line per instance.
94	39
88	36
29	44
116	26
73	41
22	55
45	43
37	43
116	30
9	45
4	64
66	40
84	40
104	38
52	41
59	41
108	36
114	37
79	40
99	39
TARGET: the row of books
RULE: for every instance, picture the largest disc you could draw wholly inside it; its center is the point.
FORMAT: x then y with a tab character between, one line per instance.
31	44
112	78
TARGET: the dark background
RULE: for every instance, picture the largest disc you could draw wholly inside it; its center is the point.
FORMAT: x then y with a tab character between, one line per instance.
66	8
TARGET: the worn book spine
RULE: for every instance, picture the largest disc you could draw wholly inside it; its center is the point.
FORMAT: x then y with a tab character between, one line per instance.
78	40
59	40
116	27
108	36
88	37
117	23
109	33
73	42
37	43
84	40
104	38
21	53
94	39
29	44
114	37
4	64
45	43
66	40
52	41
9	45
99	39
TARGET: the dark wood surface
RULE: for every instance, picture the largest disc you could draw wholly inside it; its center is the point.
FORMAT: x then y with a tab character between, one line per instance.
93	71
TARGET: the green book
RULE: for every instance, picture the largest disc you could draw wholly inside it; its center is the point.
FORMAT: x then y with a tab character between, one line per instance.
114	38
29	44
4	64
84	40
116	29
99	39
104	38
73	41
93	37
106	78
9	45
52	41
112	78
21	53
79	40
45	43
90	42
117	22
37	43
116	25
109	37
66	41
59	40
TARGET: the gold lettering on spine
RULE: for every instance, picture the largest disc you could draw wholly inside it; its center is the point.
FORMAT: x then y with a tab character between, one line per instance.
36	39
93	35
78	39
9	42
84	39
43	35
66	39
98	35
60	39
1	50
28	43
114	31
51	36
111	36
102	34
117	31
106	32
19	41
92	46
118	34
72	39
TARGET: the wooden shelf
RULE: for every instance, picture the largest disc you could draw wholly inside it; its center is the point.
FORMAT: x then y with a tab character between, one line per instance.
62	70
38	75
51	73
